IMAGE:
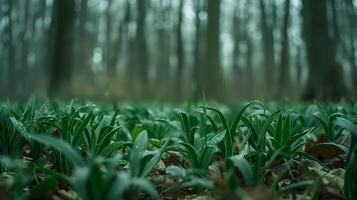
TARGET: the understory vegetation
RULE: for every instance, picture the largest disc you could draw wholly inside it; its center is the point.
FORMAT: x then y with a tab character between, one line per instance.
57	150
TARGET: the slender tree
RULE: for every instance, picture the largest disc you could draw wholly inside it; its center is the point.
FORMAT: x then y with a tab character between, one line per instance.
24	49
83	45
163	42
115	56
267	29
237	69
141	45
8	43
180	50
325	74
352	17
214	85
137	69
249	50
108	39
298	65
61	46
199	37
284	76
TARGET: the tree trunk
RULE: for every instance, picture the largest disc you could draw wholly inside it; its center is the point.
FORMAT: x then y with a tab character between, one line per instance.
284	78
24	52
116	52
325	74
237	70
163	58
249	80
298	64
107	55
83	45
8	42
180	51
214	85
142	59
61	47
268	49
351	15
197	71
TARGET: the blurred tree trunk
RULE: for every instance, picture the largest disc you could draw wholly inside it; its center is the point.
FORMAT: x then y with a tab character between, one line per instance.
237	69
325	74
249	51
38	44
284	78
352	17
45	61
180	51
267	29
82	31
24	39
108	51
115	55
83	45
163	58
336	31
83	16
61	47
24	51
140	63
2	64
197	71
129	38
8	43
298	63
214	85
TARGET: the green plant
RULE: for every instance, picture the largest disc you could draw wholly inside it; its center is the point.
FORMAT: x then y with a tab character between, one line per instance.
12	140
284	139
96	178
227	146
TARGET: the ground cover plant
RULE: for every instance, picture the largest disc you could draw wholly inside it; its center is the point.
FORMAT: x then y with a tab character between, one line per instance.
71	150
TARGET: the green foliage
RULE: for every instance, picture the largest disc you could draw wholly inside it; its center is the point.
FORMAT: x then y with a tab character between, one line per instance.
130	151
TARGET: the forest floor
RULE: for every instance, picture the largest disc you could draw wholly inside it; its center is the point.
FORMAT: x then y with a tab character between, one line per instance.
58	150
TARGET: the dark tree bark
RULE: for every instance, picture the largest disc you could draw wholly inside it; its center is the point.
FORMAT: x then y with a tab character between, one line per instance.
61	46
137	69
163	58
214	85
2	64
84	46
352	17
325	74
24	51
39	38
284	76
8	43
249	52
199	35
83	16
336	31
180	51
268	47
141	46
107	55
237	69
129	38
298	64
115	56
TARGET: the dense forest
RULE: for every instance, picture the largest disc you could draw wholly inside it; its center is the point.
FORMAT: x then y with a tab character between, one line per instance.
175	49
178	99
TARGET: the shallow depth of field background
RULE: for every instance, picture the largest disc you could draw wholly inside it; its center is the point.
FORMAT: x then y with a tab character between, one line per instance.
175	49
